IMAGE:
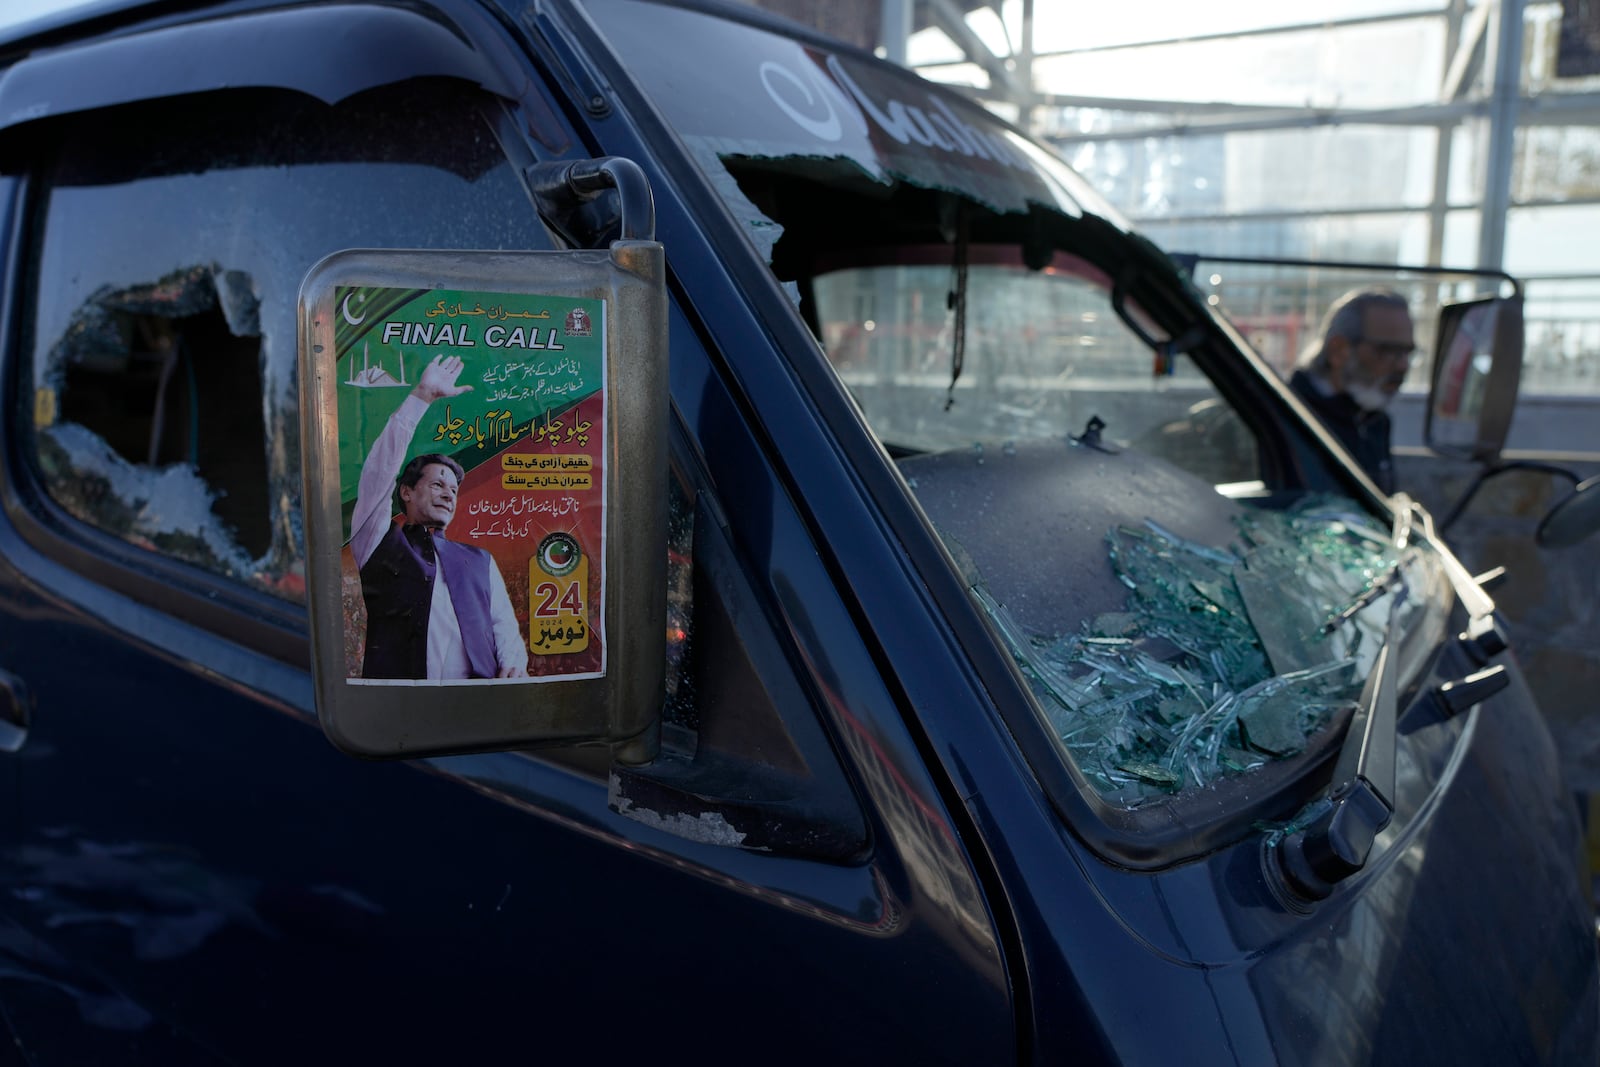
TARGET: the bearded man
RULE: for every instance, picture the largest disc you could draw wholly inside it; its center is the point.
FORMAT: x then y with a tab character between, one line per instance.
1355	370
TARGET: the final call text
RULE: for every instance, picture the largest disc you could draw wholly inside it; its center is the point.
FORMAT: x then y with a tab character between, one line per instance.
459	334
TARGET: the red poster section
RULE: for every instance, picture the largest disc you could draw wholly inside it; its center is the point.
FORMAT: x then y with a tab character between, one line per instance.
539	508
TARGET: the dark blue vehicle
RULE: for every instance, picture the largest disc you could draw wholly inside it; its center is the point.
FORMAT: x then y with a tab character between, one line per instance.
1042	683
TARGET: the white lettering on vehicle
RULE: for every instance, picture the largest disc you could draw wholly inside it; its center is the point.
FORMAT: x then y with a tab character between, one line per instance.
825	105
826	129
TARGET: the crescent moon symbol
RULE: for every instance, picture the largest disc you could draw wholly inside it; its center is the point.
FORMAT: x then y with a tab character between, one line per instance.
344	309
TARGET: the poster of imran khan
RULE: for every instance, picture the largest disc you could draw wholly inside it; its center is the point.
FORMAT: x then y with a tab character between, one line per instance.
472	430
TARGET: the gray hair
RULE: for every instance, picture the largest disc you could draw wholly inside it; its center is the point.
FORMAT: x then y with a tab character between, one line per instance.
1346	318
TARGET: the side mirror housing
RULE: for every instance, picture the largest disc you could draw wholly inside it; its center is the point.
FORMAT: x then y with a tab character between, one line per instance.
1573	518
1477	362
524	396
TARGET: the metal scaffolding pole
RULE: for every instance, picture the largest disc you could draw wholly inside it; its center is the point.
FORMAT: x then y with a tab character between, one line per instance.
1503	106
1458	66
1025	67
896	29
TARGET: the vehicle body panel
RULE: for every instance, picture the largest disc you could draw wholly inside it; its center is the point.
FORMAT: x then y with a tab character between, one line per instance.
193	872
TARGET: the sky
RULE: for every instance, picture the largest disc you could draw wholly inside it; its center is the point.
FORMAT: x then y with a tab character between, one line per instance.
13	12
1084	24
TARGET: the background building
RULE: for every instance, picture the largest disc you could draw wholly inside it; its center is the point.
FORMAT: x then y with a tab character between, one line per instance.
1451	132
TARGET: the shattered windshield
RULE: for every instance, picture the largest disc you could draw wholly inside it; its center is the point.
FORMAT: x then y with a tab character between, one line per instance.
1221	659
1172	636
1050	397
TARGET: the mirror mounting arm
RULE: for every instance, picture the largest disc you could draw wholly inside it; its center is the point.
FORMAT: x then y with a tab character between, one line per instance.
1501	468
562	188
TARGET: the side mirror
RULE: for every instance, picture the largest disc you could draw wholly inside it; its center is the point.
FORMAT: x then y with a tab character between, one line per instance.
1573	518
484	449
1477	362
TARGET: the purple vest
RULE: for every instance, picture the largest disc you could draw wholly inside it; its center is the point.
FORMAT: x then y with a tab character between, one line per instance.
397	585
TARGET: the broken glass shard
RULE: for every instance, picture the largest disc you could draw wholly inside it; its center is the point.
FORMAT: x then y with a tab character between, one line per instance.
1220	660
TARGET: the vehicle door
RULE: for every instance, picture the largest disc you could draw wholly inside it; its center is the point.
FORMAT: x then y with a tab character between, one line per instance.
191	871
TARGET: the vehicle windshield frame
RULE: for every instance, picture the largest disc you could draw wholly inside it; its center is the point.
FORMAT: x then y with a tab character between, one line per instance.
1150	837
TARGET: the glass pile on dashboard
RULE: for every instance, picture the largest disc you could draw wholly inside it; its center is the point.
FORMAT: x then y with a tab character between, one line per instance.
1223	658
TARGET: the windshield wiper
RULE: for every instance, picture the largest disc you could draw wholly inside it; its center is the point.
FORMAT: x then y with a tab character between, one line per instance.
1380	585
1336	845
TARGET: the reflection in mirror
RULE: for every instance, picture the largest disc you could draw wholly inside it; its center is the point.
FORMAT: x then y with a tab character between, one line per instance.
1574	517
1477	364
1462	361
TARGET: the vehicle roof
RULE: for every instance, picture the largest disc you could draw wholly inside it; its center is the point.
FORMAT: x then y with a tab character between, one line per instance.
34	22
25	19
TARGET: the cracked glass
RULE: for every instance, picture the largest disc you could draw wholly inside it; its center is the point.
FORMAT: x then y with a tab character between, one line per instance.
1177	621
172	238
1222	657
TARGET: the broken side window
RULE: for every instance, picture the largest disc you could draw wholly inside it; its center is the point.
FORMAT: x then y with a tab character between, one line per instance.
170	240
152	404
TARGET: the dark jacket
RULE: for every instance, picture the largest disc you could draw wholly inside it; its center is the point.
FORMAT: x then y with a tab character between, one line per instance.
397	584
1364	433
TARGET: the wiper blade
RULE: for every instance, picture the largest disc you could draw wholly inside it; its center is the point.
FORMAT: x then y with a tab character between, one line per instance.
1401	532
1336	845
1380	585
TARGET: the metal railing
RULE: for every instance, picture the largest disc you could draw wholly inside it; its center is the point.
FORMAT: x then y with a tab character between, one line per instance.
1279	308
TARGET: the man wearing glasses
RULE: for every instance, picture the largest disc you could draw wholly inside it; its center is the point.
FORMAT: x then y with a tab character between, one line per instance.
1350	375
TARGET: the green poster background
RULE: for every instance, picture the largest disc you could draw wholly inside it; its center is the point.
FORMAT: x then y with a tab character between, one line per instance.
530	436
514	386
